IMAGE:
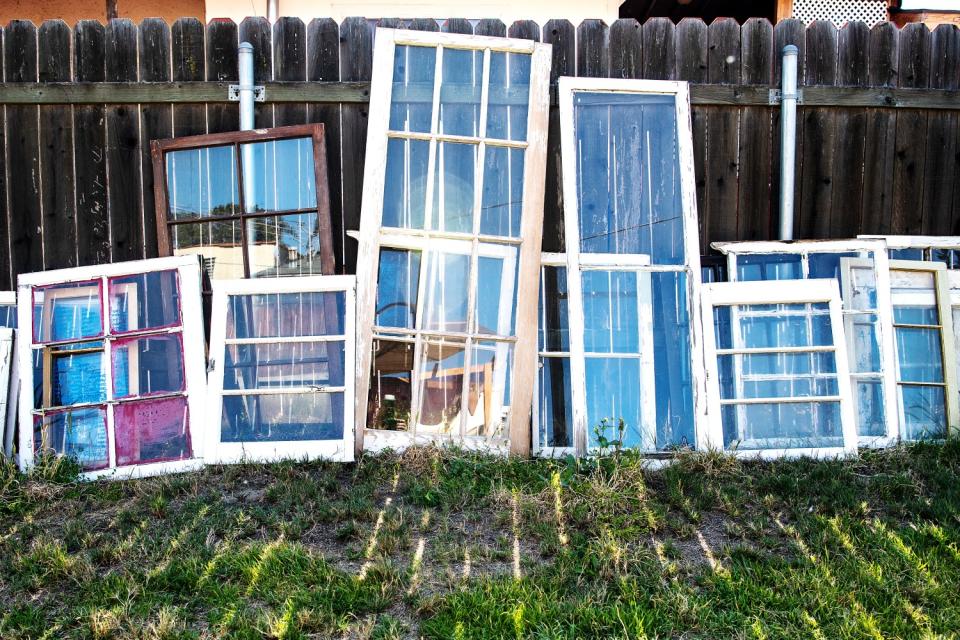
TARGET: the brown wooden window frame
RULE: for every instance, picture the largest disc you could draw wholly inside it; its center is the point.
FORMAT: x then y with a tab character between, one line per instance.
159	149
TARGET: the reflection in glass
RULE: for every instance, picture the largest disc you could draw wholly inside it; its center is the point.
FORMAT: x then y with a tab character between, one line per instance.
789	425
871	413
488	389
411	100
769	267
502	201
777	375
613	395
495	296
202	182
67	312
80	434
283	365
826	265
453	187
144	301
611	311
556	402
391	395
924	411
282	417
220	244
441	386
628	175
279	246
76	375
919	355
405	183
445	307
460	92
271	315
280	173
152	431
397	288
784	325
144	366
509	91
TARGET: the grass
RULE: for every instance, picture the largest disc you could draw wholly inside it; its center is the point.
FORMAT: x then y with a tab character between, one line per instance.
455	545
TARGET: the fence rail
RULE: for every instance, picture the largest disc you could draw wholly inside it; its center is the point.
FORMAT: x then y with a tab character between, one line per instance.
877	150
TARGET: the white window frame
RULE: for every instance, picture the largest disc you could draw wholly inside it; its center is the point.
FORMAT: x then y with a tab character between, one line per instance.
558	261
947	345
194	360
766	293
373	237
576	262
9	299
880	266
219	452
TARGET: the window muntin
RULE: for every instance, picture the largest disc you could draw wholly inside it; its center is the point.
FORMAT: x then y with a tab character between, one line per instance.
114	360
632	264
252	204
283	373
444	230
779	368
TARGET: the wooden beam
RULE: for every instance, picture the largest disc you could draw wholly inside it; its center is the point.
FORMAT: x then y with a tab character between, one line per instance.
784	9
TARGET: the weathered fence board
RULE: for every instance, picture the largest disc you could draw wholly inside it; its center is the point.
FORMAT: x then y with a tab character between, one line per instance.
878	127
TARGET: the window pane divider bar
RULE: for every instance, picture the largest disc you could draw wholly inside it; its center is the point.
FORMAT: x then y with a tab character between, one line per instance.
774	350
784	400
286	340
455	138
271	391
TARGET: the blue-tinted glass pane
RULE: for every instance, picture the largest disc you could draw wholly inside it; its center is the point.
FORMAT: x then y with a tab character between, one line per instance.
202	182
397	288
282	417
509	92
556	403
554	324
283	365
502	201
76	376
906	254
628	175
924	412
67	312
920	355
611	312
863	289
405	183
453	187
143	366
949	257
460	92
769	267
782	426
723	327
916	314
614	394
785	325
488	388
863	339
8	316
871	414
779	375
672	361
278	175
446	291
80	434
496	294
826	265
271	315
411	103
144	301
284	246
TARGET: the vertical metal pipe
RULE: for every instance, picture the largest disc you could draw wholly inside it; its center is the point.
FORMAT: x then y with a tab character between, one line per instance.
245	69
273	10
788	139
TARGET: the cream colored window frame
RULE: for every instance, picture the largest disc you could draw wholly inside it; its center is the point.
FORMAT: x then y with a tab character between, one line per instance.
373	238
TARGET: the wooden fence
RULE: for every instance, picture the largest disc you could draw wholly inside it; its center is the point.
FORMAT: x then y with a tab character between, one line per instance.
877	131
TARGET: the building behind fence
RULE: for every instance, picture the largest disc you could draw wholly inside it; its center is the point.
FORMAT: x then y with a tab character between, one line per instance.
877	148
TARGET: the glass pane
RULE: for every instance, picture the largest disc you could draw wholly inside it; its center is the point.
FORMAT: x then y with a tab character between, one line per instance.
460	92
778	375
80	434
405	183
871	414
152	431
446	291
282	417
554	327
826	265
390	398
441	386
509	93
919	355
784	325
863	284
949	257
502	200
8	316
922	314
202	182
488	403
75	375
556	403
278	175
397	288
906	254
769	267
284	246
496	294
283	365
611	311
924	412
67	312
863	340
914	297
291	315
453	187
411	102
143	366
614	394
796	425
672	360
144	301
628	175
219	243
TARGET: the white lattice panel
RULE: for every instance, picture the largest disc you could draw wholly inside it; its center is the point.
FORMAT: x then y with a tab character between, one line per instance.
840	12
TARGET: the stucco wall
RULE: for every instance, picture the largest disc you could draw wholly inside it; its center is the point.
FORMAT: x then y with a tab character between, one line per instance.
72	10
